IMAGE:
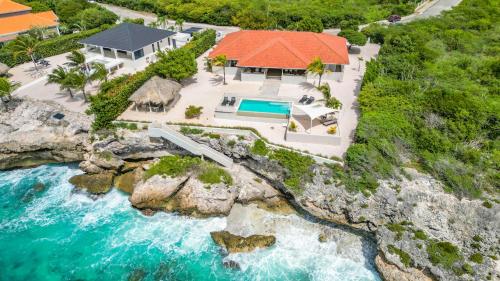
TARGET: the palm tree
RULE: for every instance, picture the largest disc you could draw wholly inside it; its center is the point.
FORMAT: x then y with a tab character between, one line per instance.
100	72
162	21
6	89
221	60
25	45
60	76
179	22
317	67
76	60
78	80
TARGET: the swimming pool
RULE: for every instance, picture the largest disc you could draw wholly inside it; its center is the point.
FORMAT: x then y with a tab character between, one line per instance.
264	108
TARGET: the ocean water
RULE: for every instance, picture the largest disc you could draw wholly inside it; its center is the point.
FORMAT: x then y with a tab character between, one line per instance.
51	233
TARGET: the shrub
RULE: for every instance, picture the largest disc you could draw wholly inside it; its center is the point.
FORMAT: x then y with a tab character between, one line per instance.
420	235
297	165
404	257
193	111
332	130
177	64
443	253
487	204
231	143
173	166
477	258
292	127
211	174
191	131
353	37
397	228
212	135
259	148
477	238
468	268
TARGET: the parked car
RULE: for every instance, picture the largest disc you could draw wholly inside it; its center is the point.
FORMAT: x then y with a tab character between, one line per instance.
394	18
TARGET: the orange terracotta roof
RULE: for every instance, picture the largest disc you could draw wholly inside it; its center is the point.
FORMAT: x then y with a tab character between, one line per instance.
8	6
281	49
24	22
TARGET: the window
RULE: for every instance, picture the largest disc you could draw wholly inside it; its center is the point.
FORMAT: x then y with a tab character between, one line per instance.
233	63
169	41
338	68
139	54
153	46
158	45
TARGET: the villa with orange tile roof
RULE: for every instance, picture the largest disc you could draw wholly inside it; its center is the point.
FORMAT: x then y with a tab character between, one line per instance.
256	55
16	19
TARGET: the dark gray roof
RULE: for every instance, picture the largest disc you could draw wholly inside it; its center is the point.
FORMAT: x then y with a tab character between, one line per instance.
127	37
191	30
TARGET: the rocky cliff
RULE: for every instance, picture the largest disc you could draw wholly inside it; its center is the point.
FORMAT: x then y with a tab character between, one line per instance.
37	132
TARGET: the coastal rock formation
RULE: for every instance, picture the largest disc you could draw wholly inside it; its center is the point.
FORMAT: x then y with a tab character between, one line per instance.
93	183
414	220
238	244
198	199
155	192
38	132
127	181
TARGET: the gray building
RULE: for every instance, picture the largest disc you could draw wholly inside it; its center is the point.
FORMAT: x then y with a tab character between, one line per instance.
131	44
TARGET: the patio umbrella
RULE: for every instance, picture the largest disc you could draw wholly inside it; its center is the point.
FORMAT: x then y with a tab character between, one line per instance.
156	91
3	69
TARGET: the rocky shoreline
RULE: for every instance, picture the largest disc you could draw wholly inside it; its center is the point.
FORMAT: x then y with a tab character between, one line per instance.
410	219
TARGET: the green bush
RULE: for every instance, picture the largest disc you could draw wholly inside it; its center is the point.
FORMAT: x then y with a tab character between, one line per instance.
477	238
404	257
193	111
443	253
477	258
191	131
211	174
50	47
468	268
298	168
177	64
172	166
420	235
259	147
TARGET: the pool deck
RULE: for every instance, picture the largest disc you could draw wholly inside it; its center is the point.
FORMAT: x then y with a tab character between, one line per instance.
207	90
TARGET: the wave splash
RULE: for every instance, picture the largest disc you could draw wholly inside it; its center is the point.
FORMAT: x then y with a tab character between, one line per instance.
53	233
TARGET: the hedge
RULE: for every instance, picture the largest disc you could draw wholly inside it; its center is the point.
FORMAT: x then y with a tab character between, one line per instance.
109	104
51	47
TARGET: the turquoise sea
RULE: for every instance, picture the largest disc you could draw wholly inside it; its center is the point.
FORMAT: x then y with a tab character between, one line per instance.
49	232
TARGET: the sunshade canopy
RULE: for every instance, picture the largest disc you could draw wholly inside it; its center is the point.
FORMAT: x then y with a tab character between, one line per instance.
156	91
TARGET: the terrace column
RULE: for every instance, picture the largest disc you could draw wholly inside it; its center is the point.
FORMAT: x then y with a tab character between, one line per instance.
102	51
116	53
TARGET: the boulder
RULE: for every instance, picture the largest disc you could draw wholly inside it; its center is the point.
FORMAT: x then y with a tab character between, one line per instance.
155	192
93	183
197	199
90	168
391	272
127	181
238	244
106	160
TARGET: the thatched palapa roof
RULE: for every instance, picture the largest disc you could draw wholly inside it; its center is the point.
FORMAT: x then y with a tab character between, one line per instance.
156	91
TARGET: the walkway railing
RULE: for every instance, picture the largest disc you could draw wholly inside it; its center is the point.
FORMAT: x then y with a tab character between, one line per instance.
188	144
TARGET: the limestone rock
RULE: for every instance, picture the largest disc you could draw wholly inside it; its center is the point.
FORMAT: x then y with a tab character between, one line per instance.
197	199
106	160
90	168
30	135
93	183
237	244
155	192
127	181
391	272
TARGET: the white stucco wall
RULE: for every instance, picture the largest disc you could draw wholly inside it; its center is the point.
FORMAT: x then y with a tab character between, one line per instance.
293	79
251	77
230	71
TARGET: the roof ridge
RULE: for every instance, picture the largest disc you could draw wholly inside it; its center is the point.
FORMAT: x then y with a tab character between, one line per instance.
326	44
293	50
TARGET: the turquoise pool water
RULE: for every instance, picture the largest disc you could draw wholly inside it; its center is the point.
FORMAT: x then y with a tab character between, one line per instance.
263	106
53	233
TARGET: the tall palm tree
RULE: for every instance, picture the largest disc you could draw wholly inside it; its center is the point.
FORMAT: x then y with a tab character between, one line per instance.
60	76
76	60
25	45
221	60
100	72
162	21
179	22
317	67
6	89
78	80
